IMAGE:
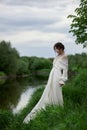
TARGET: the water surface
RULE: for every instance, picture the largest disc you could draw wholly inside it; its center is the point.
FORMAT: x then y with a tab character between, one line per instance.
16	93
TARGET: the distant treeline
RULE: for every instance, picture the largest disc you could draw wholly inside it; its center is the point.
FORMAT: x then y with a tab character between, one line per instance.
12	64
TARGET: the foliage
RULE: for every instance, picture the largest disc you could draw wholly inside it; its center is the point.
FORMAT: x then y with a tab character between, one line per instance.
43	73
2	77
12	64
6	117
73	116
8	58
39	64
79	23
2	74
76	62
22	66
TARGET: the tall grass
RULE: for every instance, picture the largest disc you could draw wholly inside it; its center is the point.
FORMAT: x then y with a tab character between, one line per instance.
73	116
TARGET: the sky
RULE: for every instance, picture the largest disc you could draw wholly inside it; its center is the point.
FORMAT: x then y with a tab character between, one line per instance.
34	26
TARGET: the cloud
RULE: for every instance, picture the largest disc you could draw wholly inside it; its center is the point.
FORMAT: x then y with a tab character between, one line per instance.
37	24
38	3
22	17
28	18
36	37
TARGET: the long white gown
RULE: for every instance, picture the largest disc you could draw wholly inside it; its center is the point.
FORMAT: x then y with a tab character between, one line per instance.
53	91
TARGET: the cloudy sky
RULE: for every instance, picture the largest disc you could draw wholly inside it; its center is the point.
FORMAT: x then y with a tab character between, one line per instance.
34	26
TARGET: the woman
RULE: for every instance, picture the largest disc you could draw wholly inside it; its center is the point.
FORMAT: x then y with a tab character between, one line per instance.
53	91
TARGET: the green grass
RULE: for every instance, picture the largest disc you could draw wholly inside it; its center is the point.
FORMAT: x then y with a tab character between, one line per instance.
73	116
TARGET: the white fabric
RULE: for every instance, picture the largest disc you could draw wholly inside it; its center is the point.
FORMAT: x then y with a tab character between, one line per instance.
53	91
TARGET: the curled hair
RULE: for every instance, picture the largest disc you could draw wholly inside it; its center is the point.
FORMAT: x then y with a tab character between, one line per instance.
59	46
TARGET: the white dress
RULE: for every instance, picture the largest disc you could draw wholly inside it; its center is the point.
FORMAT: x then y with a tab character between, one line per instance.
53	91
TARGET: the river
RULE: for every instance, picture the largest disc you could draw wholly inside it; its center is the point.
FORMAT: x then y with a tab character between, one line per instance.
16	93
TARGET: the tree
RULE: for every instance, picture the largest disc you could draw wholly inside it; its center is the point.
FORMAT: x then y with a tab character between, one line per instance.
79	23
39	66
8	58
22	65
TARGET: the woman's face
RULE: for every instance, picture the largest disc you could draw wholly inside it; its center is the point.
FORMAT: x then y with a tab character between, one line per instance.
57	50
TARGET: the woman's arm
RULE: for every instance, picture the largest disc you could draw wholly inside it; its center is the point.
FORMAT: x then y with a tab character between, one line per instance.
64	66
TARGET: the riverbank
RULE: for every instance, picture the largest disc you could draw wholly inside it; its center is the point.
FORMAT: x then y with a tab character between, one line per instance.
4	77
12	76
73	116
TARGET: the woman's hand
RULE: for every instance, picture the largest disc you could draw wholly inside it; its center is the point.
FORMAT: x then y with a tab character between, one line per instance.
61	85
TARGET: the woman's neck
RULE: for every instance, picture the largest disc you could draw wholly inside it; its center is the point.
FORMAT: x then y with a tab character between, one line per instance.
61	53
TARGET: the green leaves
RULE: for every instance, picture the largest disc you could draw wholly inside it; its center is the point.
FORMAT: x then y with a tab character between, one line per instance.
79	23
8	58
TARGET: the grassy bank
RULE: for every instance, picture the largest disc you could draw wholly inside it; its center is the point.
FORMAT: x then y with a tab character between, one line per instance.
73	116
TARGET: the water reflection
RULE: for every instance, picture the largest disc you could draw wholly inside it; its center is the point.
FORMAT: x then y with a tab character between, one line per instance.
9	94
24	99
15	93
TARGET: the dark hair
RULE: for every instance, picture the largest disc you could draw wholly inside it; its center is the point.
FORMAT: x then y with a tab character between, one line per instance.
59	46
